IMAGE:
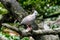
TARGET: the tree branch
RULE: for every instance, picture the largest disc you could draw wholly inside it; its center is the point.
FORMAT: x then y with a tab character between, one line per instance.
21	32
11	27
47	32
34	32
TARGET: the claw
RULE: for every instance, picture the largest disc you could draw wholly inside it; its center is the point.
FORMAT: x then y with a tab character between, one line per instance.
29	28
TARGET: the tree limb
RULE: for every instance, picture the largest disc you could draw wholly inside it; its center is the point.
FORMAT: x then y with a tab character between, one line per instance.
34	32
21	32
48	32
11	27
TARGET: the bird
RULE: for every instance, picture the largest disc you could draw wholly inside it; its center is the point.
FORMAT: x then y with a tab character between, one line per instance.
28	20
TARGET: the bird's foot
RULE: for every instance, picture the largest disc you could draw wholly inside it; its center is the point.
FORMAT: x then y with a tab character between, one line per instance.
29	28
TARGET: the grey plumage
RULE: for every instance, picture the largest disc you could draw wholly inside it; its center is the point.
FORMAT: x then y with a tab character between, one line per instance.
29	20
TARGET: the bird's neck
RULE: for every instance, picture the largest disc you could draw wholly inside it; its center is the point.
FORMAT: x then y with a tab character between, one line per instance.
34	14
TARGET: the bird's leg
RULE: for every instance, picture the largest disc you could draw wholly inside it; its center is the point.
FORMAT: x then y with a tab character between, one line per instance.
29	27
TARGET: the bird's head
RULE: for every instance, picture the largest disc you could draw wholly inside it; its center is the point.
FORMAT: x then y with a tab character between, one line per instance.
35	12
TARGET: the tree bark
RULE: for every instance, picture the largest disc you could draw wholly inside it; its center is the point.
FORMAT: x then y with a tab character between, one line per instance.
14	9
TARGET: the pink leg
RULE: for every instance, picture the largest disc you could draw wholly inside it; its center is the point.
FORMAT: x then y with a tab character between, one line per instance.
29	27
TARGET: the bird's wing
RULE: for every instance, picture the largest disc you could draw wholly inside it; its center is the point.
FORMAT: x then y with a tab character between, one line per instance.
27	19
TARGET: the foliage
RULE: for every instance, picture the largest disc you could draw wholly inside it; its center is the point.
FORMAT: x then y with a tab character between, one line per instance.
44	7
25	38
2	9
8	37
54	26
